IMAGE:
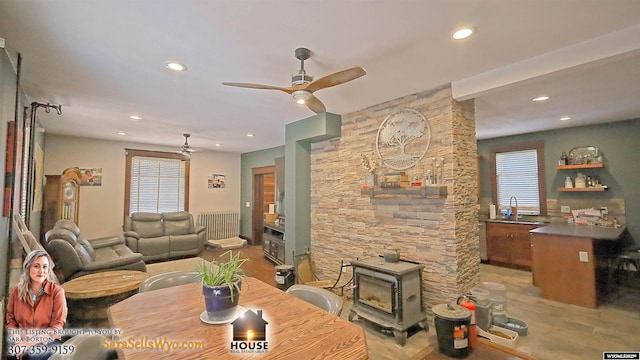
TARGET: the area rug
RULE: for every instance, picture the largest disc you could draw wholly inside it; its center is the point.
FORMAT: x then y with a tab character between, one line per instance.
188	264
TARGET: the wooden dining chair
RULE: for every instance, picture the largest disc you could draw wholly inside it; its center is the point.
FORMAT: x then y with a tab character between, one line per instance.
305	271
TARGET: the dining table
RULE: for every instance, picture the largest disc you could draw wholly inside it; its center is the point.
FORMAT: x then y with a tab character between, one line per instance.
169	323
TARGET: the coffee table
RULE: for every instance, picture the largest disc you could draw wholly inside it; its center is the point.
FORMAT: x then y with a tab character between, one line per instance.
89	296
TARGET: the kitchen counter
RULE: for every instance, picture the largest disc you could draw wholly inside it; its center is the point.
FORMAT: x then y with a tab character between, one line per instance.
586	231
570	262
517	222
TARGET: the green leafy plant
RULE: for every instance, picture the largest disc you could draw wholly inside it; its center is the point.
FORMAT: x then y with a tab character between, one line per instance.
221	273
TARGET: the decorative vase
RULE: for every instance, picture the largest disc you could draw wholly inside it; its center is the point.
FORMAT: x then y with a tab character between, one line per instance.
219	301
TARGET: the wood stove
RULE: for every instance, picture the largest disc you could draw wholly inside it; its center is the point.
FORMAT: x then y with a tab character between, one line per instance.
388	294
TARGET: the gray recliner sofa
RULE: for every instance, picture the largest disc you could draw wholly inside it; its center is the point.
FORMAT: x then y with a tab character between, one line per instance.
164	236
75	255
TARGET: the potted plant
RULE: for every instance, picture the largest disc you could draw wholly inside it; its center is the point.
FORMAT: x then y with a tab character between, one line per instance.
221	284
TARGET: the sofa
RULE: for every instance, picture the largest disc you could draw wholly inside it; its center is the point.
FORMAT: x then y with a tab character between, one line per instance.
164	236
76	256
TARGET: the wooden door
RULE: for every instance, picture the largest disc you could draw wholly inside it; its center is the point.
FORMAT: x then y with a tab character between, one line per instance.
263	195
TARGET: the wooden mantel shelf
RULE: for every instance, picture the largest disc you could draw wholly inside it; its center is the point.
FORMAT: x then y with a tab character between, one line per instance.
433	191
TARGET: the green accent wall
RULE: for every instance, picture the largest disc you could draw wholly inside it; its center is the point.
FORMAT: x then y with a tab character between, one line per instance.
618	141
248	161
297	200
297	176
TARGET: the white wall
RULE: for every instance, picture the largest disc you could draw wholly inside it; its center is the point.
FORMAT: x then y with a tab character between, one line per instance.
102	207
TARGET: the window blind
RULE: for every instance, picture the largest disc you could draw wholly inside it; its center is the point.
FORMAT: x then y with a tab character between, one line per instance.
157	185
517	175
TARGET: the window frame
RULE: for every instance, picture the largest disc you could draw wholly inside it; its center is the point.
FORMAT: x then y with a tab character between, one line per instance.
542	188
131	153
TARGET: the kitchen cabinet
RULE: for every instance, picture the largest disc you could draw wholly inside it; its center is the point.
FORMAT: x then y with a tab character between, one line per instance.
570	261
273	243
508	244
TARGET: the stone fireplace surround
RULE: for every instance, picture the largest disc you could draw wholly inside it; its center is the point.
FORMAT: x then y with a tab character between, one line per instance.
441	233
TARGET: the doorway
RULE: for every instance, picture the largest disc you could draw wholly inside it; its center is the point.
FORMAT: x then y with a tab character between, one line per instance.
264	193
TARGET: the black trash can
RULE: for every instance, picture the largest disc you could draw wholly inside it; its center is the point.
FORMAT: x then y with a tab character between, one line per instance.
284	276
452	329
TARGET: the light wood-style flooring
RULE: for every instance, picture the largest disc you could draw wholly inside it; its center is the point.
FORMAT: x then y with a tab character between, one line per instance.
556	330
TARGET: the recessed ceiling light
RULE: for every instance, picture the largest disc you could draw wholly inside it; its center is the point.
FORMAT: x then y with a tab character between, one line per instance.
540	98
135	117
251	135
463	33
565	118
122	133
218	145
176	66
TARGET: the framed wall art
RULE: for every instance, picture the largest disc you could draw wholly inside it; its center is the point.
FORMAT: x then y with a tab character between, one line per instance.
216	181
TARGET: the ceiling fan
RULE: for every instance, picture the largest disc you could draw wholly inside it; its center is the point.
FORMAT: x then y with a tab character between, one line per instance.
302	85
186	149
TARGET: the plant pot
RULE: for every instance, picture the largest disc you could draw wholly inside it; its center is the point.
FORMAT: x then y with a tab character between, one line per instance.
219	302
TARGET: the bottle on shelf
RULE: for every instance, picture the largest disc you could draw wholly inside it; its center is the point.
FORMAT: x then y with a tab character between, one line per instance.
564	160
568	183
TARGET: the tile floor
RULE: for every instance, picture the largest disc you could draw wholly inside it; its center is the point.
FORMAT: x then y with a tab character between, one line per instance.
556	331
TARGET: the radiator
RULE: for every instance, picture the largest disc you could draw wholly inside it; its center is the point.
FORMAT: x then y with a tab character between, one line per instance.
220	224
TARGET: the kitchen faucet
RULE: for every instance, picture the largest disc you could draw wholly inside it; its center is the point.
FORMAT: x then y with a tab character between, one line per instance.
513	211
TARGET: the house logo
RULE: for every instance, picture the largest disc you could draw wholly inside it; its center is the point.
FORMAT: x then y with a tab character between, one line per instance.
249	333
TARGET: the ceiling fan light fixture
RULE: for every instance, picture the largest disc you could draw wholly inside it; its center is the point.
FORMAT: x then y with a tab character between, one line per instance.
301	96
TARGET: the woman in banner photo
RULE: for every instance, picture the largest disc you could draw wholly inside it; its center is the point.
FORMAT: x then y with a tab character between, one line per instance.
37	310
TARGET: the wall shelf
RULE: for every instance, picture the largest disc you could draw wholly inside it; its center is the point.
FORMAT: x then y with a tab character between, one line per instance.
417	191
582	166
588	189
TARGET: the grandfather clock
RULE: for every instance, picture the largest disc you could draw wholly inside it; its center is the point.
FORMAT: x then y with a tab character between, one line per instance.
61	198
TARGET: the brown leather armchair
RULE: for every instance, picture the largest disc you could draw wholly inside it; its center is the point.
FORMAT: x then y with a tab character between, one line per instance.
76	256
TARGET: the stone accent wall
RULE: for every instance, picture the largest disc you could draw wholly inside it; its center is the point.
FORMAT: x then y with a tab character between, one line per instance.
440	233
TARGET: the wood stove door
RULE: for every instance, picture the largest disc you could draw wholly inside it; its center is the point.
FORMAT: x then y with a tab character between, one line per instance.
376	293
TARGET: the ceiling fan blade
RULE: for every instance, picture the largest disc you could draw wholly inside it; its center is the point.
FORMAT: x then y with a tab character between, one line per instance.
336	78
315	105
258	86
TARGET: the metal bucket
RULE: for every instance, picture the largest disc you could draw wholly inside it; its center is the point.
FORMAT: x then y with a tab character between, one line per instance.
452	329
284	276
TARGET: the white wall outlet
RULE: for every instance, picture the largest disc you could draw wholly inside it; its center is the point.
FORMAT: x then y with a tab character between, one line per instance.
247	204
565	209
584	256
604	210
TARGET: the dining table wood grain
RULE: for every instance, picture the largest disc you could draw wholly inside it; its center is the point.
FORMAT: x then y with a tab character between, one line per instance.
295	329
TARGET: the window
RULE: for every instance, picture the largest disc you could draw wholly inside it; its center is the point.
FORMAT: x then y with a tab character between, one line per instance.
518	177
156	182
